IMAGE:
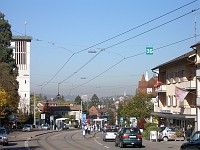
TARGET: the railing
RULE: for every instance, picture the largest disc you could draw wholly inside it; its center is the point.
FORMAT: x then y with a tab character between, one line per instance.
162	88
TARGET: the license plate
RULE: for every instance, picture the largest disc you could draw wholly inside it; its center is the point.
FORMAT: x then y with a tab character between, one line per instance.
132	136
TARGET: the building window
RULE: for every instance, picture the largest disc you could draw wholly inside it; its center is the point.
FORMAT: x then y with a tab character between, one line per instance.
25	81
25	95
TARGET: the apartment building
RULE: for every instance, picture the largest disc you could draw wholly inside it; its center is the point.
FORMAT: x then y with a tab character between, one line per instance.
177	73
21	53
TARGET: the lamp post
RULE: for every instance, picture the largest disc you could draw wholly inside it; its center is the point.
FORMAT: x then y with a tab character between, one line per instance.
34	123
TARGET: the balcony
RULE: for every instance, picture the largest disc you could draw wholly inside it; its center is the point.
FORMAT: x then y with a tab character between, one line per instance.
162	88
188	85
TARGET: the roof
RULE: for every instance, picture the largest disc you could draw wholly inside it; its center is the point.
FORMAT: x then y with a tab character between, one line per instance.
60	108
24	38
178	59
75	108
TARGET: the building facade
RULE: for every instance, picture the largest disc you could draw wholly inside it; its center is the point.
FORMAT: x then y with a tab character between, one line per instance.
177	73
21	53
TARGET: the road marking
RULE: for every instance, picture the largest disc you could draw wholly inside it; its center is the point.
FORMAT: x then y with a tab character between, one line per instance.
106	147
97	142
26	144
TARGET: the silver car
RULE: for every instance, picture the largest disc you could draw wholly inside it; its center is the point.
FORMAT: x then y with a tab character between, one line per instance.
109	134
3	136
27	127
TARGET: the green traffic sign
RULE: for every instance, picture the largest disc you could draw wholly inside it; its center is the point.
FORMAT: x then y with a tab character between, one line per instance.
149	50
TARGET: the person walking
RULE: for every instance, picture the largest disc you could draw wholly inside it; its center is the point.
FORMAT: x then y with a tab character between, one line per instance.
88	128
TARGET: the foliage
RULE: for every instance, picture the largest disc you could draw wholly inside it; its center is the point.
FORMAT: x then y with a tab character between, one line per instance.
141	123
149	127
9	70
4	97
94	101
119	111
179	133
77	100
139	106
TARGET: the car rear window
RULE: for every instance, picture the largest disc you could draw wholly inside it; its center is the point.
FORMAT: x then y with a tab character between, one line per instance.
111	130
132	131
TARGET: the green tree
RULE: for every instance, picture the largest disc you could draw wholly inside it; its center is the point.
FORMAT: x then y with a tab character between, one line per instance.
9	70
94	101
139	106
77	100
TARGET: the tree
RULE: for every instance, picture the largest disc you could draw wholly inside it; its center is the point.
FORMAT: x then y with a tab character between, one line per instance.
3	102
9	70
139	106
77	100
94	101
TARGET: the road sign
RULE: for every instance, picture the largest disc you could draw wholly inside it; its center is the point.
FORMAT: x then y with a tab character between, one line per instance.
149	50
121	119
105	119
42	116
83	116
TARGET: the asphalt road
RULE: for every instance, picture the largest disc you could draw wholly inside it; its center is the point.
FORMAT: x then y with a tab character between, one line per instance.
73	140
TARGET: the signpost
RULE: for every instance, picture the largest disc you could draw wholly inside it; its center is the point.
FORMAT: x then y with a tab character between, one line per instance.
149	50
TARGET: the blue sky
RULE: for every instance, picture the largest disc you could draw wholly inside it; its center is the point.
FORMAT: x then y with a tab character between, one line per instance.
64	31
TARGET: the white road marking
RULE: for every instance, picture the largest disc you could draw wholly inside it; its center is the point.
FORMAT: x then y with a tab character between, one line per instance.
106	147
97	142
26	144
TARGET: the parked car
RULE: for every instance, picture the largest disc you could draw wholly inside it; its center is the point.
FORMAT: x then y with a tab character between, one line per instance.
45	127
27	127
3	136
193	142
109	134
128	136
166	133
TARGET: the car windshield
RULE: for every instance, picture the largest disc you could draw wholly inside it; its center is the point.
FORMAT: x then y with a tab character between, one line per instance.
2	131
196	136
27	126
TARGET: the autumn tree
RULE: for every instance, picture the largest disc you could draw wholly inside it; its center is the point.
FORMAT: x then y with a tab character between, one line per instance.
9	70
139	106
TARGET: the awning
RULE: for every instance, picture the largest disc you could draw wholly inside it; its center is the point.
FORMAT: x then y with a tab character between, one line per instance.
173	116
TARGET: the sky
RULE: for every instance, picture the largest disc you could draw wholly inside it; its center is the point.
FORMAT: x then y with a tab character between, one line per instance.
65	33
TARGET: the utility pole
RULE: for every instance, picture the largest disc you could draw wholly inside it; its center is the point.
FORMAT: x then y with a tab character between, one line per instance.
34	111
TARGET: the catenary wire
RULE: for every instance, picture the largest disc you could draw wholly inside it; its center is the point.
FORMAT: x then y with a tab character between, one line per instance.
131	39
111	38
129	58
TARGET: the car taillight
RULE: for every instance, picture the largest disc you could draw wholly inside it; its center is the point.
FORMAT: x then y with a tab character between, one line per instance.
124	136
139	136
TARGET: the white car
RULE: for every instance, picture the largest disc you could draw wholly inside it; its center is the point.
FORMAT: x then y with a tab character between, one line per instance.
166	134
109	134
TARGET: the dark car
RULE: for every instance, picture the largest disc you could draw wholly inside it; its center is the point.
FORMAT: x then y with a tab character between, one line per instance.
3	136
128	136
193	142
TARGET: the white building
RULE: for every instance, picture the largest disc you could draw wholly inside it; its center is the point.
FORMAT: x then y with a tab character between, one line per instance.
21	53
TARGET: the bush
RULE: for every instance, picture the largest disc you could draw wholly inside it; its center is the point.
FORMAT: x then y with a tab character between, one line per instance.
149	127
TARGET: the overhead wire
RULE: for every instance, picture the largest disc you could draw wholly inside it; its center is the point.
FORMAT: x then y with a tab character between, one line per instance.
161	16
125	58
111	39
131	39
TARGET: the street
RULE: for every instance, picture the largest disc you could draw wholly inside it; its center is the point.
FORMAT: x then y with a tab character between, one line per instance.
72	139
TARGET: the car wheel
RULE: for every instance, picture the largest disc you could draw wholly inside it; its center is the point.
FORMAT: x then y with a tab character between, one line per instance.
121	145
165	139
140	146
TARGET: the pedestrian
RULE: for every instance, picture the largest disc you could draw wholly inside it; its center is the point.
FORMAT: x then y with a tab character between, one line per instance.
83	131
88	128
